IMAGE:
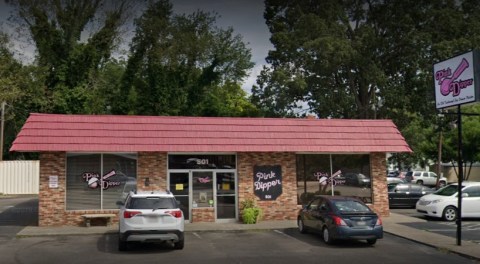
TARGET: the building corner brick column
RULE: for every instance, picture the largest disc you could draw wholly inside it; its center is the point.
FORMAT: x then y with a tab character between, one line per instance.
51	201
378	169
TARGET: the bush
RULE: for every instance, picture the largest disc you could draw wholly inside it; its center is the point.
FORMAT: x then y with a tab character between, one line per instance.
251	213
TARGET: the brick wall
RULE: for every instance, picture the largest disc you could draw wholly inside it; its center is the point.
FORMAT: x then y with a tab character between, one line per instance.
206	214
51	201
285	206
152	165
379	183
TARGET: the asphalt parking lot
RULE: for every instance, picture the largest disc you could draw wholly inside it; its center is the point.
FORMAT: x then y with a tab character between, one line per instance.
470	227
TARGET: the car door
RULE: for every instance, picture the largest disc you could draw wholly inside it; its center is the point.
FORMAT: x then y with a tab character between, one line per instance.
432	179
416	191
310	212
321	214
471	201
399	195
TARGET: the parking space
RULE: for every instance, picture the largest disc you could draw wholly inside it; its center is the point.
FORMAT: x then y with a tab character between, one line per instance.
273	246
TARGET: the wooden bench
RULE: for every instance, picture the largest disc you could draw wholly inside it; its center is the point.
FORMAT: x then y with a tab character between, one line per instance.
88	217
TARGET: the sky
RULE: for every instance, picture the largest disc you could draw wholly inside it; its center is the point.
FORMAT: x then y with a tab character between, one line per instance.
244	16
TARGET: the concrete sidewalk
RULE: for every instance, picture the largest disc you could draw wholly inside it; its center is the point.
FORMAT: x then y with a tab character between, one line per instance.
392	225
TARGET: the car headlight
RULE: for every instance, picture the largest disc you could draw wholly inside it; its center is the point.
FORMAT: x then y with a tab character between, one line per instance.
436	201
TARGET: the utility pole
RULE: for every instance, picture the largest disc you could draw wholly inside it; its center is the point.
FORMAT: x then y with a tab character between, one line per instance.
2	126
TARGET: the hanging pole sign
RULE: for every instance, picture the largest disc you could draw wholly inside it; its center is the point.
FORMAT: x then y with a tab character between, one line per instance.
457	80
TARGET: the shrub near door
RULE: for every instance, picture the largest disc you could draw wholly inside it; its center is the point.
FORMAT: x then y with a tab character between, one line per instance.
251	214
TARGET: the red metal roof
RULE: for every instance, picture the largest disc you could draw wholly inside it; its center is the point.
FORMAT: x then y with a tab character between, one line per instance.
115	133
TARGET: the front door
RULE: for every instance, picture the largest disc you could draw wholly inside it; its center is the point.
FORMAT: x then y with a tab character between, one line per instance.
225	195
196	189
180	187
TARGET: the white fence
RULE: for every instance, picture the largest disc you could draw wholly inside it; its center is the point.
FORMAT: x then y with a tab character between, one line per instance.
19	177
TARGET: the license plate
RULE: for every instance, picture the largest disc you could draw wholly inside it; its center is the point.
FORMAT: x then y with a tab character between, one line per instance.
361	223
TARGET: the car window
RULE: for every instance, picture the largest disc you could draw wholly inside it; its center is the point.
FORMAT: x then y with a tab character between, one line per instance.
416	174
425	188
350	206
151	203
448	190
432	174
401	188
472	191
324	205
314	204
391	187
416	188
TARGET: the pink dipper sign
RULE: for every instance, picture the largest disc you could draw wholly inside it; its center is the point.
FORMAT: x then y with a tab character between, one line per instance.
455	80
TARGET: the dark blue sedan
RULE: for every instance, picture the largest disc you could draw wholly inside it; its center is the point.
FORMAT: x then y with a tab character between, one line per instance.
340	218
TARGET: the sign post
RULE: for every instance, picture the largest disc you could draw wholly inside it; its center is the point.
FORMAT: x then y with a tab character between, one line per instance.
455	88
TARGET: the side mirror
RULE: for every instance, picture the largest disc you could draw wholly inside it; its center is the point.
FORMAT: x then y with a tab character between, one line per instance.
465	195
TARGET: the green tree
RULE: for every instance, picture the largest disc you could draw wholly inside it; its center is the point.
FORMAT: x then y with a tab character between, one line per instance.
21	89
73	40
470	139
178	62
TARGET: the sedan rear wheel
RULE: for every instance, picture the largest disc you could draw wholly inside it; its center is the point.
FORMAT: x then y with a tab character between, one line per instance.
372	241
301	226
450	213
327	238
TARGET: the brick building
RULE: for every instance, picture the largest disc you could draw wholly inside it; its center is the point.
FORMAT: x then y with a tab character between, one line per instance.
211	164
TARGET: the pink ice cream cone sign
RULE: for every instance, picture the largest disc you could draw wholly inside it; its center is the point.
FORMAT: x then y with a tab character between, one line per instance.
455	80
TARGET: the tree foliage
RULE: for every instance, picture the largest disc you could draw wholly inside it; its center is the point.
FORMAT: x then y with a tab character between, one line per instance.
177	62
70	54
363	59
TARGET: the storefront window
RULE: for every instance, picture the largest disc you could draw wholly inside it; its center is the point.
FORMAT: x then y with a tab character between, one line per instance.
98	181
345	175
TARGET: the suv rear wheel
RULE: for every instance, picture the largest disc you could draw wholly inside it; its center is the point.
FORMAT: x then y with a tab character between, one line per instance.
420	182
179	245
122	245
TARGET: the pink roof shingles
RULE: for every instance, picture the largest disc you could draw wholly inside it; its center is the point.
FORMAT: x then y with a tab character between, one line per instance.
109	133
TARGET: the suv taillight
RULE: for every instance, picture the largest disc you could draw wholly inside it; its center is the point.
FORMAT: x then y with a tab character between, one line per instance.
130	214
176	213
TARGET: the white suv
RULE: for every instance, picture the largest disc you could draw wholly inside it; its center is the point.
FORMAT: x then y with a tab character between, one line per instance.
428	178
443	203
150	217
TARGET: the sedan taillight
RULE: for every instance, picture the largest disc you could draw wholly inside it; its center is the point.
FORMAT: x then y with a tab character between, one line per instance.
176	213
379	222
130	214
338	221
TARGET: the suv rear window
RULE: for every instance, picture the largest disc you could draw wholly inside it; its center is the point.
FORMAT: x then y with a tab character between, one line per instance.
151	203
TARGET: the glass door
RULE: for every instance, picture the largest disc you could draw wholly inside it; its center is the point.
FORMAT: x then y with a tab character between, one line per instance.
179	186
202	189
225	195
